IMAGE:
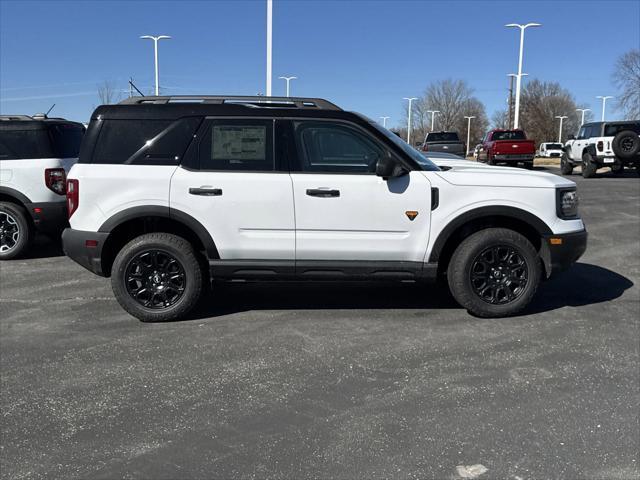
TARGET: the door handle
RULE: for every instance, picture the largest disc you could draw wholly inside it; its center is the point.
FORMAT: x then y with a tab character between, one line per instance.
320	192
207	192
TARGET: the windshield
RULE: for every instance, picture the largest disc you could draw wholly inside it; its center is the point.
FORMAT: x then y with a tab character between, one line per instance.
442	137
554	146
425	163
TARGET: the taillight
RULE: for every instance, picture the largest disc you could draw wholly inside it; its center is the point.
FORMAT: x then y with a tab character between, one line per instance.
600	146
54	179
72	196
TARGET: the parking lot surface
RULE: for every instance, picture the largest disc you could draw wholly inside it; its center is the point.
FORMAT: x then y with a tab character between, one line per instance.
329	381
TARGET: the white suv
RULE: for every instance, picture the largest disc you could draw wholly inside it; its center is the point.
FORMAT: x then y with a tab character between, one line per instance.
171	193
603	144
35	154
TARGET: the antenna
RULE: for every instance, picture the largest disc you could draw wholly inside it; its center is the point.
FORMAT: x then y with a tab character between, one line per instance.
137	90
48	111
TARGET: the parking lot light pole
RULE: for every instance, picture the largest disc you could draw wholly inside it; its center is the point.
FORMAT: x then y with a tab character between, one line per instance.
433	115
155	54
409	119
384	121
604	103
287	79
561	117
582	110
269	44
512	76
468	134
516	120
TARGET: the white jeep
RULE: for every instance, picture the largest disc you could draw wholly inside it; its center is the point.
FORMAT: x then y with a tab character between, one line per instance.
35	154
171	193
603	144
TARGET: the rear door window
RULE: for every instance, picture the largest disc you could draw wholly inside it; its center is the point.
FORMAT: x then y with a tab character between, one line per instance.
614	129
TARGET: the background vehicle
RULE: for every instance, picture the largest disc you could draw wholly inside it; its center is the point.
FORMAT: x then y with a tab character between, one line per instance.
603	144
550	150
35	154
448	142
230	188
476	151
507	146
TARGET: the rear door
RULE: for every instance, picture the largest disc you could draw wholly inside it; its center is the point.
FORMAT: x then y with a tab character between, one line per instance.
239	190
343	211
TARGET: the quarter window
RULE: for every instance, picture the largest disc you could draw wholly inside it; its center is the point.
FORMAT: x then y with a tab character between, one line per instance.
337	148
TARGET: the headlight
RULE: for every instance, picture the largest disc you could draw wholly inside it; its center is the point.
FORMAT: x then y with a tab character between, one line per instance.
567	203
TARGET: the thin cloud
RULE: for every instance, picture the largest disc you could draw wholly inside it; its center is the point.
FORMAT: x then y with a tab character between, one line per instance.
44	97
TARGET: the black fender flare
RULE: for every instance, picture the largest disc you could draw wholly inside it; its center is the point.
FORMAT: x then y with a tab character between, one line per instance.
15	194
484	212
165	212
590	149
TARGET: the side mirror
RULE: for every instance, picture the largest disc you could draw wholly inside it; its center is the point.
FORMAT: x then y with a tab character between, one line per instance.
571	137
387	167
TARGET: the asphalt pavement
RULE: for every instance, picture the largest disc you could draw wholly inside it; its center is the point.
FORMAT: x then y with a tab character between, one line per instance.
329	380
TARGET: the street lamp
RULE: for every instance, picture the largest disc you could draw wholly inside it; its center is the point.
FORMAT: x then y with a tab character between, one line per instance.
511	77
409	119
519	77
468	134
384	121
269	44
433	115
155	54
582	110
287	79
604	102
561	117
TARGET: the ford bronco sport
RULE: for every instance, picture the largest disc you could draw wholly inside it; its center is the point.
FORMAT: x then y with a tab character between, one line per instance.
35	154
171	193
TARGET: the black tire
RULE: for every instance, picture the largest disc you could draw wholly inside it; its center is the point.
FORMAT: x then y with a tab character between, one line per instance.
528	165
490	161
518	282
565	166
626	144
617	168
165	272
589	167
16	231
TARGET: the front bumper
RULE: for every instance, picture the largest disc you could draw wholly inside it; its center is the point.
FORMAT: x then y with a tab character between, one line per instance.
559	252
85	248
49	217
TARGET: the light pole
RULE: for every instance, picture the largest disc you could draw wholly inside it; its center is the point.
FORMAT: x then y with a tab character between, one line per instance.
384	121
269	44
561	117
433	115
468	134
522	28
287	79
409	119
155	54
604	102
582	110
511	77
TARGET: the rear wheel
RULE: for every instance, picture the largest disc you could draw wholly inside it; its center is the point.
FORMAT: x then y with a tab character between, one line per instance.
589	166
528	165
494	273
157	277
490	160
617	168
565	166
15	231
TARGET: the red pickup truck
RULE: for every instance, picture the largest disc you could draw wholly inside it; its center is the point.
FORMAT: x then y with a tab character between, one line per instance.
507	146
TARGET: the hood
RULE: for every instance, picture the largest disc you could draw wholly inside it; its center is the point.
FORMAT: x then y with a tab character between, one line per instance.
468	173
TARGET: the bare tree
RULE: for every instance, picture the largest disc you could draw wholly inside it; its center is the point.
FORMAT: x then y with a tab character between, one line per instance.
626	78
540	103
500	119
108	93
453	99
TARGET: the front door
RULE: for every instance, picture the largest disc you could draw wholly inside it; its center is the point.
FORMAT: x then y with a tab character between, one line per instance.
343	211
239	191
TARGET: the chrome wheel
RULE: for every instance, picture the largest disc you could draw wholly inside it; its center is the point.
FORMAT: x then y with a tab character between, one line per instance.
499	274
9	232
155	279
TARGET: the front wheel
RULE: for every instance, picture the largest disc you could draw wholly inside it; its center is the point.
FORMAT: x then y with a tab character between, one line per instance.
589	167
156	277
494	273
565	166
15	231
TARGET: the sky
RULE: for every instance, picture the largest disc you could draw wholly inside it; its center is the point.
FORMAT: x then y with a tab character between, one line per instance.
362	55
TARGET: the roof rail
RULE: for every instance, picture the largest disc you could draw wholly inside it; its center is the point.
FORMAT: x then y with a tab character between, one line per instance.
253	101
15	117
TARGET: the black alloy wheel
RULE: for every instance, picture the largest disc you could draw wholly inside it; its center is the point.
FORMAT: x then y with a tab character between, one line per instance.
499	274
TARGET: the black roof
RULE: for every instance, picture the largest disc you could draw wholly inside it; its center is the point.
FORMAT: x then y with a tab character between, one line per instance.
169	108
609	122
